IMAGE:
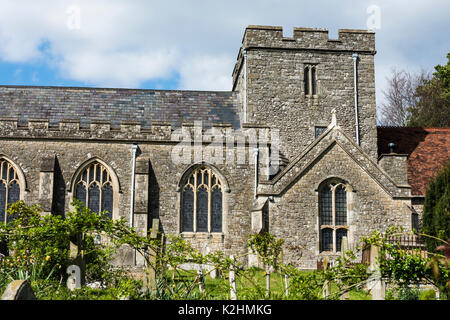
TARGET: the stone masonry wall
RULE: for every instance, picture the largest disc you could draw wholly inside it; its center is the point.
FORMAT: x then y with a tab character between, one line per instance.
295	218
275	83
157	177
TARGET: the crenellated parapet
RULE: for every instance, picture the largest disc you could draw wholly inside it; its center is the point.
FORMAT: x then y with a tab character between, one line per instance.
132	131
309	38
315	39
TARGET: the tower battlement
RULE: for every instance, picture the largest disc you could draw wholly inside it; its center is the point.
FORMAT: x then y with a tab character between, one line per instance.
309	38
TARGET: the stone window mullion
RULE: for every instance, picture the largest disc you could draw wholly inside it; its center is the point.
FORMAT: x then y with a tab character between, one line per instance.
195	203
333	215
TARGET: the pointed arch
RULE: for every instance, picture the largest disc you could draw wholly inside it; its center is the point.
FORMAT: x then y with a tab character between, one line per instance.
188	172
96	185
333	213
12	186
202	199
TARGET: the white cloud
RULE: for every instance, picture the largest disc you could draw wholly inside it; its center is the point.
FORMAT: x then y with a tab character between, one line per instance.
207	72
126	43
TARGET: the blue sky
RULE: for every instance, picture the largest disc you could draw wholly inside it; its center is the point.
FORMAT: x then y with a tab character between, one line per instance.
193	44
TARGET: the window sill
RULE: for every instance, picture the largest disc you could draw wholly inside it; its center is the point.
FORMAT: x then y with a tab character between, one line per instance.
203	235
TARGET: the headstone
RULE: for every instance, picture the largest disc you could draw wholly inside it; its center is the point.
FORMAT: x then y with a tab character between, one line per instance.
18	290
74	279
326	290
77	265
376	283
150	274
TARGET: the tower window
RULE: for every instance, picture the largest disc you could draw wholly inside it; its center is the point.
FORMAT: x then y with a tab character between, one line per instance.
310	80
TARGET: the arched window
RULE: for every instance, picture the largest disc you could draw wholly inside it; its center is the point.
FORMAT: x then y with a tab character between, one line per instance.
332	216
9	189
202	202
94	188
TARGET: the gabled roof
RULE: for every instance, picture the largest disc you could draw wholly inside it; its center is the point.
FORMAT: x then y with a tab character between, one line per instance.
118	105
428	150
334	135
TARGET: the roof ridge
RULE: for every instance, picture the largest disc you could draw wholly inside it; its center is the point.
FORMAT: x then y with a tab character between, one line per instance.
112	88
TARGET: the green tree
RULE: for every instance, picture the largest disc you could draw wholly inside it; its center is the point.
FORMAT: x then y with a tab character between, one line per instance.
433	100
436	211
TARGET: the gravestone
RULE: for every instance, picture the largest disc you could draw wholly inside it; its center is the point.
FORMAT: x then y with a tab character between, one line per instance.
376	283
326	290
77	265
150	273
74	279
18	290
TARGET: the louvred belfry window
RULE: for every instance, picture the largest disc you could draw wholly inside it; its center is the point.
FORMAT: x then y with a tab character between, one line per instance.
94	188
332	216
9	189
202	202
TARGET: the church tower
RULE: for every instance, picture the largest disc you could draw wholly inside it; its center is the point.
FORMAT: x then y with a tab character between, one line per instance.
293	84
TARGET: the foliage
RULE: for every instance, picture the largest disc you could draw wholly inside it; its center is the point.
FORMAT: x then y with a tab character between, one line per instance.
267	247
433	100
436	211
39	251
408	267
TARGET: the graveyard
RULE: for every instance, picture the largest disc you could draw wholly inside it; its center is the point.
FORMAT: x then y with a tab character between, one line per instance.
51	258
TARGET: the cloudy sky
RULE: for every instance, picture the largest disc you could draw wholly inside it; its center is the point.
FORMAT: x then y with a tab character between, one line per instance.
192	44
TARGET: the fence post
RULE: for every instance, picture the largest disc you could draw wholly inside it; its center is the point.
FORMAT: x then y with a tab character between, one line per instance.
267	283
233	295
201	281
286	284
326	289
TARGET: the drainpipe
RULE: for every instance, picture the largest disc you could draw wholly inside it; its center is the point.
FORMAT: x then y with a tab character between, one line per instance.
244	53
355	78
133	171
255	154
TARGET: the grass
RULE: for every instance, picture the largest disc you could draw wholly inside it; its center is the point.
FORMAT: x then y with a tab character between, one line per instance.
250	285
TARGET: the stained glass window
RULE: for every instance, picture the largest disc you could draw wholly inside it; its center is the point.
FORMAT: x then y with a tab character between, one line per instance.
332	216
202	209
327	239
325	206
341	205
216	210
94	188
188	209
107	199
201	202
2	202
9	189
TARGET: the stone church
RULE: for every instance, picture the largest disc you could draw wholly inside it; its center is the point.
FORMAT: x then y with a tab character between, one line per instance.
293	149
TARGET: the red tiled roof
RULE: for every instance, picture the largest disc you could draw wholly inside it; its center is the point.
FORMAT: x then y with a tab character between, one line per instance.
428	150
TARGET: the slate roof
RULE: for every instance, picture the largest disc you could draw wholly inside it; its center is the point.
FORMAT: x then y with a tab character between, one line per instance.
428	150
173	106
